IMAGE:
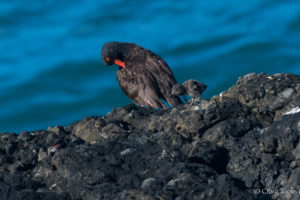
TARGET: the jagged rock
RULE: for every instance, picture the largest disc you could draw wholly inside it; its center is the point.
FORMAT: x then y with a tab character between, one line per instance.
89	129
242	144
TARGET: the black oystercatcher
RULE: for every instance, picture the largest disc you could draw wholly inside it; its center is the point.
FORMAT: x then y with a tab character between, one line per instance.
191	87
143	76
194	88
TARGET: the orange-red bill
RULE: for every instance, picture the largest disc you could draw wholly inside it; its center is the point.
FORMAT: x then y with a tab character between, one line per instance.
120	63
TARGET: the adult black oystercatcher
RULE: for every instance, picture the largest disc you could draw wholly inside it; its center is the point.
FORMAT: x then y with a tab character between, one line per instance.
143	76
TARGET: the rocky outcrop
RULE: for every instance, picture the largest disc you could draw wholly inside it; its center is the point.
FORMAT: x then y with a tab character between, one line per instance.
242	144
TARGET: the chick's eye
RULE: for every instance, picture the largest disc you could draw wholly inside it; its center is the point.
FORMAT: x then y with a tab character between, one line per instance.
107	59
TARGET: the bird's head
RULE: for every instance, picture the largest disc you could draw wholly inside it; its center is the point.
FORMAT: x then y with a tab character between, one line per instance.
112	54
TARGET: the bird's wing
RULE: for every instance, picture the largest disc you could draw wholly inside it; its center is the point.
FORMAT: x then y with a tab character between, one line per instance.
159	67
140	86
164	76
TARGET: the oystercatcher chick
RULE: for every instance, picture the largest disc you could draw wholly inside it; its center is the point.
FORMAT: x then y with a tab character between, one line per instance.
194	88
143	76
179	90
191	87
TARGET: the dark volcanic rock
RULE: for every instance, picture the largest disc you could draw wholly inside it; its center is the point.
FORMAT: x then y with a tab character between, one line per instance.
243	144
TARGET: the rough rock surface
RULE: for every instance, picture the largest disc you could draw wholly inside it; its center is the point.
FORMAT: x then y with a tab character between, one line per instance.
242	144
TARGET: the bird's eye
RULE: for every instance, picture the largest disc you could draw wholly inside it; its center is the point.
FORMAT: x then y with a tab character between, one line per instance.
107	59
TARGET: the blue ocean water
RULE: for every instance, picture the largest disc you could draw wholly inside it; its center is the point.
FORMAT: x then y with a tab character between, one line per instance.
50	67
